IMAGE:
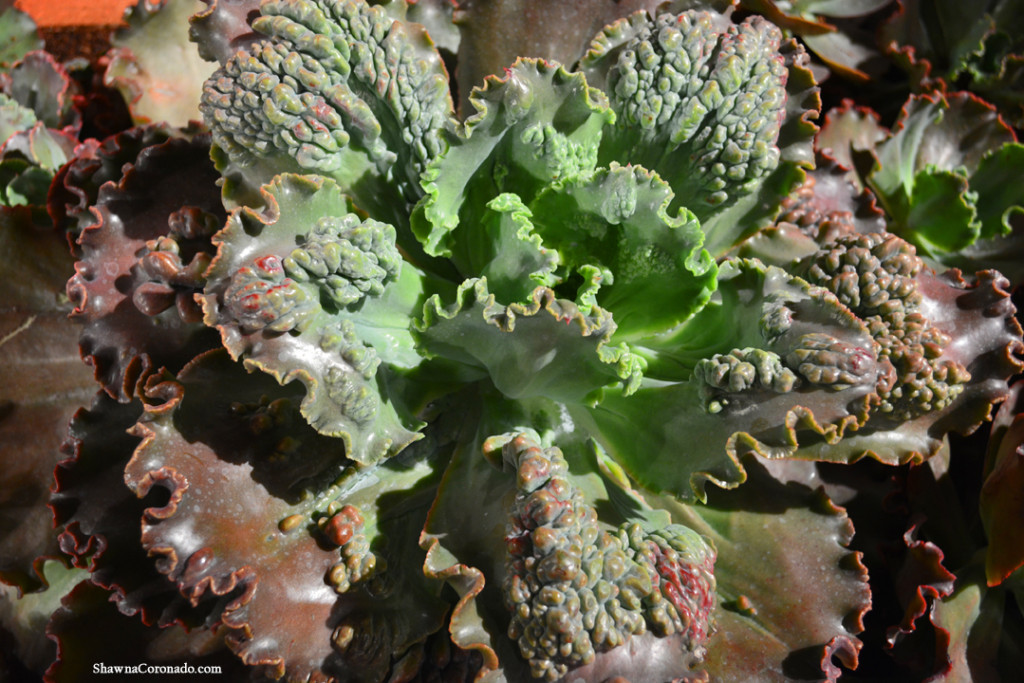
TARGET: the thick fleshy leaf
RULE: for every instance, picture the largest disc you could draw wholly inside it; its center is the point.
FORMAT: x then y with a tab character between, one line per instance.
720	112
969	624
309	290
143	259
756	631
808	364
76	186
847	130
839	8
981	315
654	272
153	65
924	174
43	381
922	579
39	82
792	595
538	125
497	33
91	504
826	206
482	557
547	347
976	45
317	561
223	27
14	117
339	89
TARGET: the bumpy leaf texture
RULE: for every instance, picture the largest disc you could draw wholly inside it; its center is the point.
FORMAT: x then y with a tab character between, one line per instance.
721	111
580	587
310	290
940	176
783	637
337	88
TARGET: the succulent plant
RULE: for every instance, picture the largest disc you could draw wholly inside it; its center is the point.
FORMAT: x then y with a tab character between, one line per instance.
422	349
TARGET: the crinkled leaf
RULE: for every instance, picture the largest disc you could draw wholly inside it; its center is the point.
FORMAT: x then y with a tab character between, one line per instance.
720	112
94	514
969	623
495	34
43	380
223	27
940	213
154	66
979	314
827	205
976	45
309	290
707	421
546	347
792	595
39	82
938	176
654	272
847	130
143	259
342	90
922	578
540	124
259	505
76	185
474	554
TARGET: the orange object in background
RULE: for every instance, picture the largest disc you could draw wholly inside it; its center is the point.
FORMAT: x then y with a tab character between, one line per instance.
61	13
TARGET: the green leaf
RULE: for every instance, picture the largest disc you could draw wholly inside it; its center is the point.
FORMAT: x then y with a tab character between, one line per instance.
718	110
807	364
14	118
18	35
480	555
342	90
998	200
538	125
941	216
941	173
310	290
839	8
654	272
547	347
